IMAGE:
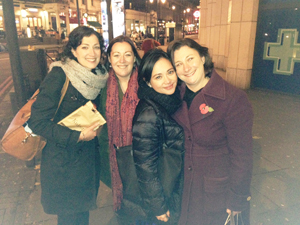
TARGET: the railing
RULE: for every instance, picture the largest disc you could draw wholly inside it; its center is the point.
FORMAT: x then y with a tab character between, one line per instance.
57	1
48	1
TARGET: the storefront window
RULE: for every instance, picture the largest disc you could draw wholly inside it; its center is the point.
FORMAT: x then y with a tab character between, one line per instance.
34	21
30	21
1	22
17	20
92	18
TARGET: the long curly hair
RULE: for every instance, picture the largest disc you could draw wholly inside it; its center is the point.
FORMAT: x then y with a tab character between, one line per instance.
75	39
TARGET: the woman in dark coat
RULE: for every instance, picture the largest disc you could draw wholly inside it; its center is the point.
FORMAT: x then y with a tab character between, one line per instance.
70	160
152	128
217	119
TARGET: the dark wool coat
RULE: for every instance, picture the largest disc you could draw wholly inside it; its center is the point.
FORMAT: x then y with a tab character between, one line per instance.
147	144
69	170
218	158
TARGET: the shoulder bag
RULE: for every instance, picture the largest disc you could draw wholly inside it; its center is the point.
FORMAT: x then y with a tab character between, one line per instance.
18	140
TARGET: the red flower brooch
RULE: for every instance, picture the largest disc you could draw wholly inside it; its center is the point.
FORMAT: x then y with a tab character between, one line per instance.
205	109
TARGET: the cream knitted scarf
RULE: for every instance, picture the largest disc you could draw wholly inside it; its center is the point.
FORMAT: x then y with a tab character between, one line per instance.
86	82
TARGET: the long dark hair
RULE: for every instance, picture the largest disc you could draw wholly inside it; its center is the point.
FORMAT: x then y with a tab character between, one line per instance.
203	52
75	39
148	62
122	38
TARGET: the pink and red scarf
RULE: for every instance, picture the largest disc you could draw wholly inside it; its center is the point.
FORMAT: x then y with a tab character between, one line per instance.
119	124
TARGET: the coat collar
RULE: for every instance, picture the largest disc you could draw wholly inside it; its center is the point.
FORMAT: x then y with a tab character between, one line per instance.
214	88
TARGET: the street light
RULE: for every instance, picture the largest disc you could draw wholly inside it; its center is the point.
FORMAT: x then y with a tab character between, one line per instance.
158	6
173	9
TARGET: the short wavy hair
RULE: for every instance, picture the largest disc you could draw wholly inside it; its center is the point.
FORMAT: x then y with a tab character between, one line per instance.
203	52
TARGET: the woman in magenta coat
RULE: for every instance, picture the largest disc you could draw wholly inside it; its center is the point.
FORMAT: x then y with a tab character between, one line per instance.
217	119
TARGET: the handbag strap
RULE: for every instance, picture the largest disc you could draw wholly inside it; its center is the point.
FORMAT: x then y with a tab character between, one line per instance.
62	94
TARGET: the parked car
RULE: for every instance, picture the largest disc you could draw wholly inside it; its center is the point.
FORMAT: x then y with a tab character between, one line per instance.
50	33
2	34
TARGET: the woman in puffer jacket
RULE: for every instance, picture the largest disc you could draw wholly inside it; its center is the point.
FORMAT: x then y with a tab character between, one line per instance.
154	129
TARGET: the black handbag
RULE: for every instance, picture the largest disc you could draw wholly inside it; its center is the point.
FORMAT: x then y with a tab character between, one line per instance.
170	164
131	206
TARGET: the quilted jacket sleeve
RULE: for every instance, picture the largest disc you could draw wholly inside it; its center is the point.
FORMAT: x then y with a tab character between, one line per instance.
146	144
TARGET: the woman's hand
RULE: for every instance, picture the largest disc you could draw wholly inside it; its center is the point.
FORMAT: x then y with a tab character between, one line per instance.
89	133
234	212
164	217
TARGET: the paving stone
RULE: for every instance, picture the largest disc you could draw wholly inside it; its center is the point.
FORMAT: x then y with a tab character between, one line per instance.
278	186
262	165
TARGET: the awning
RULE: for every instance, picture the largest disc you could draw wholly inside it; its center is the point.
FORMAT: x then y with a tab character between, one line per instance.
71	19
94	24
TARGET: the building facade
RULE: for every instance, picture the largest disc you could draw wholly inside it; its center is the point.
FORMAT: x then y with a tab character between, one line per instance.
57	15
255	42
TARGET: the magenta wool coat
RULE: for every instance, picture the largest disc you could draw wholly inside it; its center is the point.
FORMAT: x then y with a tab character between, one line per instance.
218	158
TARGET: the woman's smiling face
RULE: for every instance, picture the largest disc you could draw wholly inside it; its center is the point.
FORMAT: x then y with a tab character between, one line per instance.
88	53
163	79
189	66
122	59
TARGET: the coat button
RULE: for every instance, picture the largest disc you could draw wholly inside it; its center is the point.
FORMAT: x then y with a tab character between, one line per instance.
74	98
60	145
190	168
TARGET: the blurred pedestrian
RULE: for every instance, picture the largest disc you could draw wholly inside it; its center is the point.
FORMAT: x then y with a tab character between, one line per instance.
28	31
42	31
149	43
57	38
62	36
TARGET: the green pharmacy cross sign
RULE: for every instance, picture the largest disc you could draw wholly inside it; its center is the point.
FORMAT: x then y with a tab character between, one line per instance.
285	52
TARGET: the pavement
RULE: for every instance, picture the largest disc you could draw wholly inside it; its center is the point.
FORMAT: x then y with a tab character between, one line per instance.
275	184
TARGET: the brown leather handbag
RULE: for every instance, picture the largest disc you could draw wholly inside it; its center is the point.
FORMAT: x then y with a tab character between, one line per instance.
19	142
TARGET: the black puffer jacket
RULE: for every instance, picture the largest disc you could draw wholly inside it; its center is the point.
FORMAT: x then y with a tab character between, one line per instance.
147	143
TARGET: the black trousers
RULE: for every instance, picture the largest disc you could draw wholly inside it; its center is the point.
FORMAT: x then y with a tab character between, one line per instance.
81	218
